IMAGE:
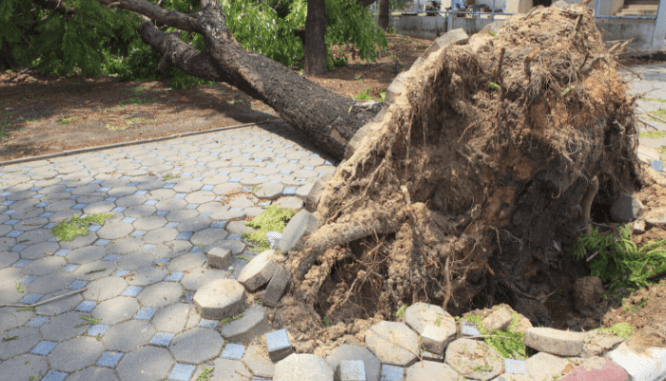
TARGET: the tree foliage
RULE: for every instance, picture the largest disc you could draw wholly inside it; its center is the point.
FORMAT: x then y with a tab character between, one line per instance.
89	39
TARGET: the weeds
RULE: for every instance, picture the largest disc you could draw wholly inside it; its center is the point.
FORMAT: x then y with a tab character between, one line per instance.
230	319
69	120
67	230
623	329
88	321
274	218
401	311
18	287
169	176
205	374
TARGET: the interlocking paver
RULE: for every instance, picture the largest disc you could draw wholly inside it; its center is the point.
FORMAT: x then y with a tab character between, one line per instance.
23	367
93	373
145	364
197	345
160	294
23	339
147	275
76	354
95	270
128	336
116	310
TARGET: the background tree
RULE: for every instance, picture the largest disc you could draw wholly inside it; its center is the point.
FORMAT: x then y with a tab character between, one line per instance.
315	42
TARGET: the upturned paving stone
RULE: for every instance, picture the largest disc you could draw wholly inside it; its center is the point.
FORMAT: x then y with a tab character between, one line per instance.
63	327
474	359
145	364
557	342
436	326
116	310
23	367
93	373
258	271
18	341
650	365
127	336
278	345
220	299
393	343
344	352
197	345
303	367
428	370
176	318
276	286
257	360
498	319
301	224
160	294
76	354
253	324
545	366
59	306
597	369
219	258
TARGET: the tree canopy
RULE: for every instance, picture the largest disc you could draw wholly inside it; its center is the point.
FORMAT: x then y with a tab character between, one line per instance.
88	38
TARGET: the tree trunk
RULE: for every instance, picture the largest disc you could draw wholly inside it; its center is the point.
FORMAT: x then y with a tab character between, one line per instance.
314	44
384	14
329	120
6	59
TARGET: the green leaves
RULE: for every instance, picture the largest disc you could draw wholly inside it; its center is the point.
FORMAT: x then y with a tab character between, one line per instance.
67	230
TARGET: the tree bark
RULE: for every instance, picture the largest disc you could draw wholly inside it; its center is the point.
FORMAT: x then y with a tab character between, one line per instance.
384	14
327	119
315	45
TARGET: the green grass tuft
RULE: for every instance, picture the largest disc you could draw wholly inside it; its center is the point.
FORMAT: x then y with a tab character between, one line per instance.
67	230
623	329
274	219
652	134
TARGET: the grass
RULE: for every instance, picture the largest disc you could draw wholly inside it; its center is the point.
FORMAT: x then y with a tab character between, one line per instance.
230	319
623	329
10	338
273	219
69	120
88	321
18	287
244	258
111	127
367	96
401	311
508	343
69	229
205	374
169	176
652	134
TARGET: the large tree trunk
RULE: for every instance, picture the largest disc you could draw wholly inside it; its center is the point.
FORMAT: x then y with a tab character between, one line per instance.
327	119
314	44
384	14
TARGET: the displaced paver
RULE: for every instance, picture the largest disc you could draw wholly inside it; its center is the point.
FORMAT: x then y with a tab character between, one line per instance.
253	324
257	360
554	341
597	368
300	224
276	286
219	258
474	359
220	299
649	365
258	271
436	327
278	345
393	343
429	370
544	366
371	364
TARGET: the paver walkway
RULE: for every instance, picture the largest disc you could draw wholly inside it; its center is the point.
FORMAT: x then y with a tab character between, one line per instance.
141	268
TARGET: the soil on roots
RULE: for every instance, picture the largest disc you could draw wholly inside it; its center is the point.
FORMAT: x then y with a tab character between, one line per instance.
471	187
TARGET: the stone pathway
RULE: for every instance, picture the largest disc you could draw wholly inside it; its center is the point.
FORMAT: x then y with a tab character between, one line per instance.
171	201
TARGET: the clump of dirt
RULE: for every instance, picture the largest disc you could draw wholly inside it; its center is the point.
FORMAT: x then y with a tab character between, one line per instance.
472	186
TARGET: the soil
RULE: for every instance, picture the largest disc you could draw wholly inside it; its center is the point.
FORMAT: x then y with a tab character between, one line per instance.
41	114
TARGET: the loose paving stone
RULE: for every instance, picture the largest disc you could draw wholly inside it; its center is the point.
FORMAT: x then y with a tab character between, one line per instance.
147	275
554	341
18	341
253	324
278	345
650	365
436	326
219	258
59	306
160	294
145	364
197	345
63	327
127	336
116	310
597	368
23	367
303	367
220	299
515	366
105	288
626	208
257	360
499	319
93	373
468	329
233	351
545	366
393	343
276	287
474	359
351	370
10	318
176	318
76	354
599	343
258	271
344	352
428	370
301	224
201	276
187	262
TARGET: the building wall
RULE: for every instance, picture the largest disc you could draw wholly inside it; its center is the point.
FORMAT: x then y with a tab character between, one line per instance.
606	8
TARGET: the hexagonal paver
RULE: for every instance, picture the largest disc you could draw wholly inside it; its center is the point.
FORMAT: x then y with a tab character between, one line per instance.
197	345
145	364
393	343
93	373
18	341
344	352
147	275
113	230
160	294
200	197
176	318
135	261
200	276
23	367
187	262
63	327
45	265
86	254
128	336
436	327
59	306
76	354
149	223
220	299
208	237
116	310
226	370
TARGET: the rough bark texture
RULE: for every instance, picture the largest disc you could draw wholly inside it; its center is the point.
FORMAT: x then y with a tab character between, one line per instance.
384	11
315	45
328	119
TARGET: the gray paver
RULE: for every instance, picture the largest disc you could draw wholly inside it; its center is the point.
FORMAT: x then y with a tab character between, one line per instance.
187	262
93	373
160	294
474	359
208	236
95	270
393	343
86	254
305	367
226	370
10	318
258	271
113	230
175	318
63	327
278	345
23	367
59	306
197	345
301	224
429	370
257	360
146	276
371	364
128	336
436	327
253	324
45	265
76	354
220	299
116	310
145	364
135	261
105	288
26	339
201	276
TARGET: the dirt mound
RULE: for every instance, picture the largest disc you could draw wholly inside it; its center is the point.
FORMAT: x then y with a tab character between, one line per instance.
474	183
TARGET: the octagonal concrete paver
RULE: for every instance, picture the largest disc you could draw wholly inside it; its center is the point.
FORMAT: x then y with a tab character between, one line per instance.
18	341
160	294
176	318
63	327
11	318
197	345
127	336
220	299
76	354
393	343
93	373
116	310
23	368
145	364
105	288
